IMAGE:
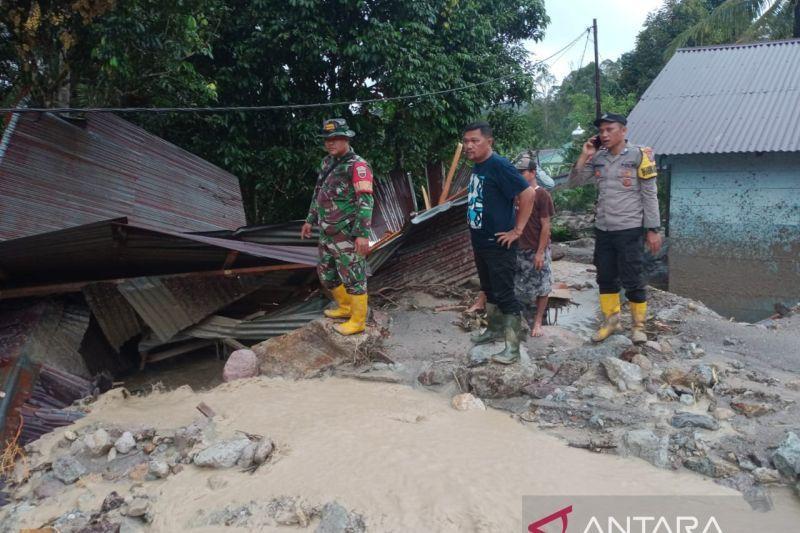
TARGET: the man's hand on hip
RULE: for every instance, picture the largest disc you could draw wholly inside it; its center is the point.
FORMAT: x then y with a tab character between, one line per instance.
507	238
362	246
653	242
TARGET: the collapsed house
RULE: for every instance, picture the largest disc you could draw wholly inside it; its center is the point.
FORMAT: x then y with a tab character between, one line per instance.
119	249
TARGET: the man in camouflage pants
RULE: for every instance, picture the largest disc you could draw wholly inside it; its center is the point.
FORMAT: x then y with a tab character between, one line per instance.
342	206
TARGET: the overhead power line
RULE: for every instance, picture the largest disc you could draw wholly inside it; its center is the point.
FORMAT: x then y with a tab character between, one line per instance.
224	109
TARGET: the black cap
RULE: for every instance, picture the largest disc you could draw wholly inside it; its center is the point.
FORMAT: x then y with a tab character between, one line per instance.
611	117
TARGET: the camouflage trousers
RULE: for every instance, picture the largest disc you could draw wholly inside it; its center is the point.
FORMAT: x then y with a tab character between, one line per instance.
530	283
340	264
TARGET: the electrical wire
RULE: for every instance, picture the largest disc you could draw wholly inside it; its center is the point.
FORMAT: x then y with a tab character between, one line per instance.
223	109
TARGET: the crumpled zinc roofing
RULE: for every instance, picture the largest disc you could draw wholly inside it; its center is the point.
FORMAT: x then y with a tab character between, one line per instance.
723	99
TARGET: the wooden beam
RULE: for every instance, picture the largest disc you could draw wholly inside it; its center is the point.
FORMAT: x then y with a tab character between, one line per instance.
450	173
426	198
230	259
77	286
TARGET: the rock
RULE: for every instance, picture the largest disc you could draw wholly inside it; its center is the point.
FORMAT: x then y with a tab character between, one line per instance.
653	345
766	475
73	520
68	469
595	422
86	503
159	469
437	373
752	410
336	519
793	385
501	381
222	454
98	443
311	350
683	419
467	402
70	435
642	362
601	391
687	399
263	450
613	346
787	457
125	443
625	376
710	467
148	447
241	364
112	454
48	487
570	371
667	394
246	459
137	507
721	413
111	502
139	472
539	390
646	445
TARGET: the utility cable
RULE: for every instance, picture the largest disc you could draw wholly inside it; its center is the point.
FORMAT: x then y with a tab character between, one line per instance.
223	109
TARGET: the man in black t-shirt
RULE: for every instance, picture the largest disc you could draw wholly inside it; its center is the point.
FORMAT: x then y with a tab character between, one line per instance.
495	226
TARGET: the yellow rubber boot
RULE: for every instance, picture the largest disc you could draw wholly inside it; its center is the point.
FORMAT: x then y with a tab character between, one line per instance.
639	315
358	316
609	305
342	300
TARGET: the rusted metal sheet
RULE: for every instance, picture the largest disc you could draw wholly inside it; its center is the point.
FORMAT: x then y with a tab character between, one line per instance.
394	201
58	173
114	314
723	99
437	250
113	249
169	305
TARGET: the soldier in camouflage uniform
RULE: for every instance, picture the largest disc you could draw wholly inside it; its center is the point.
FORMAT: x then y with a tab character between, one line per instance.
342	206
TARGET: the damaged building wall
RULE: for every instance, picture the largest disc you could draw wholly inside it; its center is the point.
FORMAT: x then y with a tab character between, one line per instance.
735	231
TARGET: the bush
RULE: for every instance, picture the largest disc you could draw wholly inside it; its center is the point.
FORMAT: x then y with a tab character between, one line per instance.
579	199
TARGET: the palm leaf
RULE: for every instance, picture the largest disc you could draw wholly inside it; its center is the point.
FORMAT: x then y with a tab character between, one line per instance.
726	23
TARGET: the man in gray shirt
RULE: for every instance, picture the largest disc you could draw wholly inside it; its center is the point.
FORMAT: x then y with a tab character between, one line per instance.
627	216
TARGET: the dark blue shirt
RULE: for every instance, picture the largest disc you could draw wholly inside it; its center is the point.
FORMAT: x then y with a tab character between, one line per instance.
490	204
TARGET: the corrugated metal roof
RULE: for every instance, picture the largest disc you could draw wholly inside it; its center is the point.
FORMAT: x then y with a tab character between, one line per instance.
722	99
112	249
114	314
171	304
59	173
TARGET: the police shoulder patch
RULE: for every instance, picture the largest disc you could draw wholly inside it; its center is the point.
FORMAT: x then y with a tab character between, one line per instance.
647	168
362	177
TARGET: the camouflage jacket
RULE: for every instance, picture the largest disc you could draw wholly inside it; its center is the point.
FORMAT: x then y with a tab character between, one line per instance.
342	201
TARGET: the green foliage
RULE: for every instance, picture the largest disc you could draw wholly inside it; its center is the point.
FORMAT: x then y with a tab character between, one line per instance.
579	199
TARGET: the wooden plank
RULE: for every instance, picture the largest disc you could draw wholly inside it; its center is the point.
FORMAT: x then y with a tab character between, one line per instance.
450	173
425	198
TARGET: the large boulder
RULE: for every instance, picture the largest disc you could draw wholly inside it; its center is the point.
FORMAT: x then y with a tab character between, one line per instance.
626	376
787	456
222	454
312	350
501	381
241	364
646	445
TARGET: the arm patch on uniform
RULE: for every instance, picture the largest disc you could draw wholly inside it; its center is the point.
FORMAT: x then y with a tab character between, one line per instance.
362	178
647	168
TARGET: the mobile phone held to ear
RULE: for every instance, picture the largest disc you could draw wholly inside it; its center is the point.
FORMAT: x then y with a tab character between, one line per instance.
596	141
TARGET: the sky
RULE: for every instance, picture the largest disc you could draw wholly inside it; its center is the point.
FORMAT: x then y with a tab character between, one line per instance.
618	23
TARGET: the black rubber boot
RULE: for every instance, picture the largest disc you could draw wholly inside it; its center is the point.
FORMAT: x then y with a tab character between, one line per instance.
512	329
494	327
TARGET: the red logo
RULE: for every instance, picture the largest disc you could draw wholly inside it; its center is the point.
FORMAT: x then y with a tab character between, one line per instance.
534	527
627	182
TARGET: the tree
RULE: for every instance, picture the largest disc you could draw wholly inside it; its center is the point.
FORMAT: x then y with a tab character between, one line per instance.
742	21
273	52
103	52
